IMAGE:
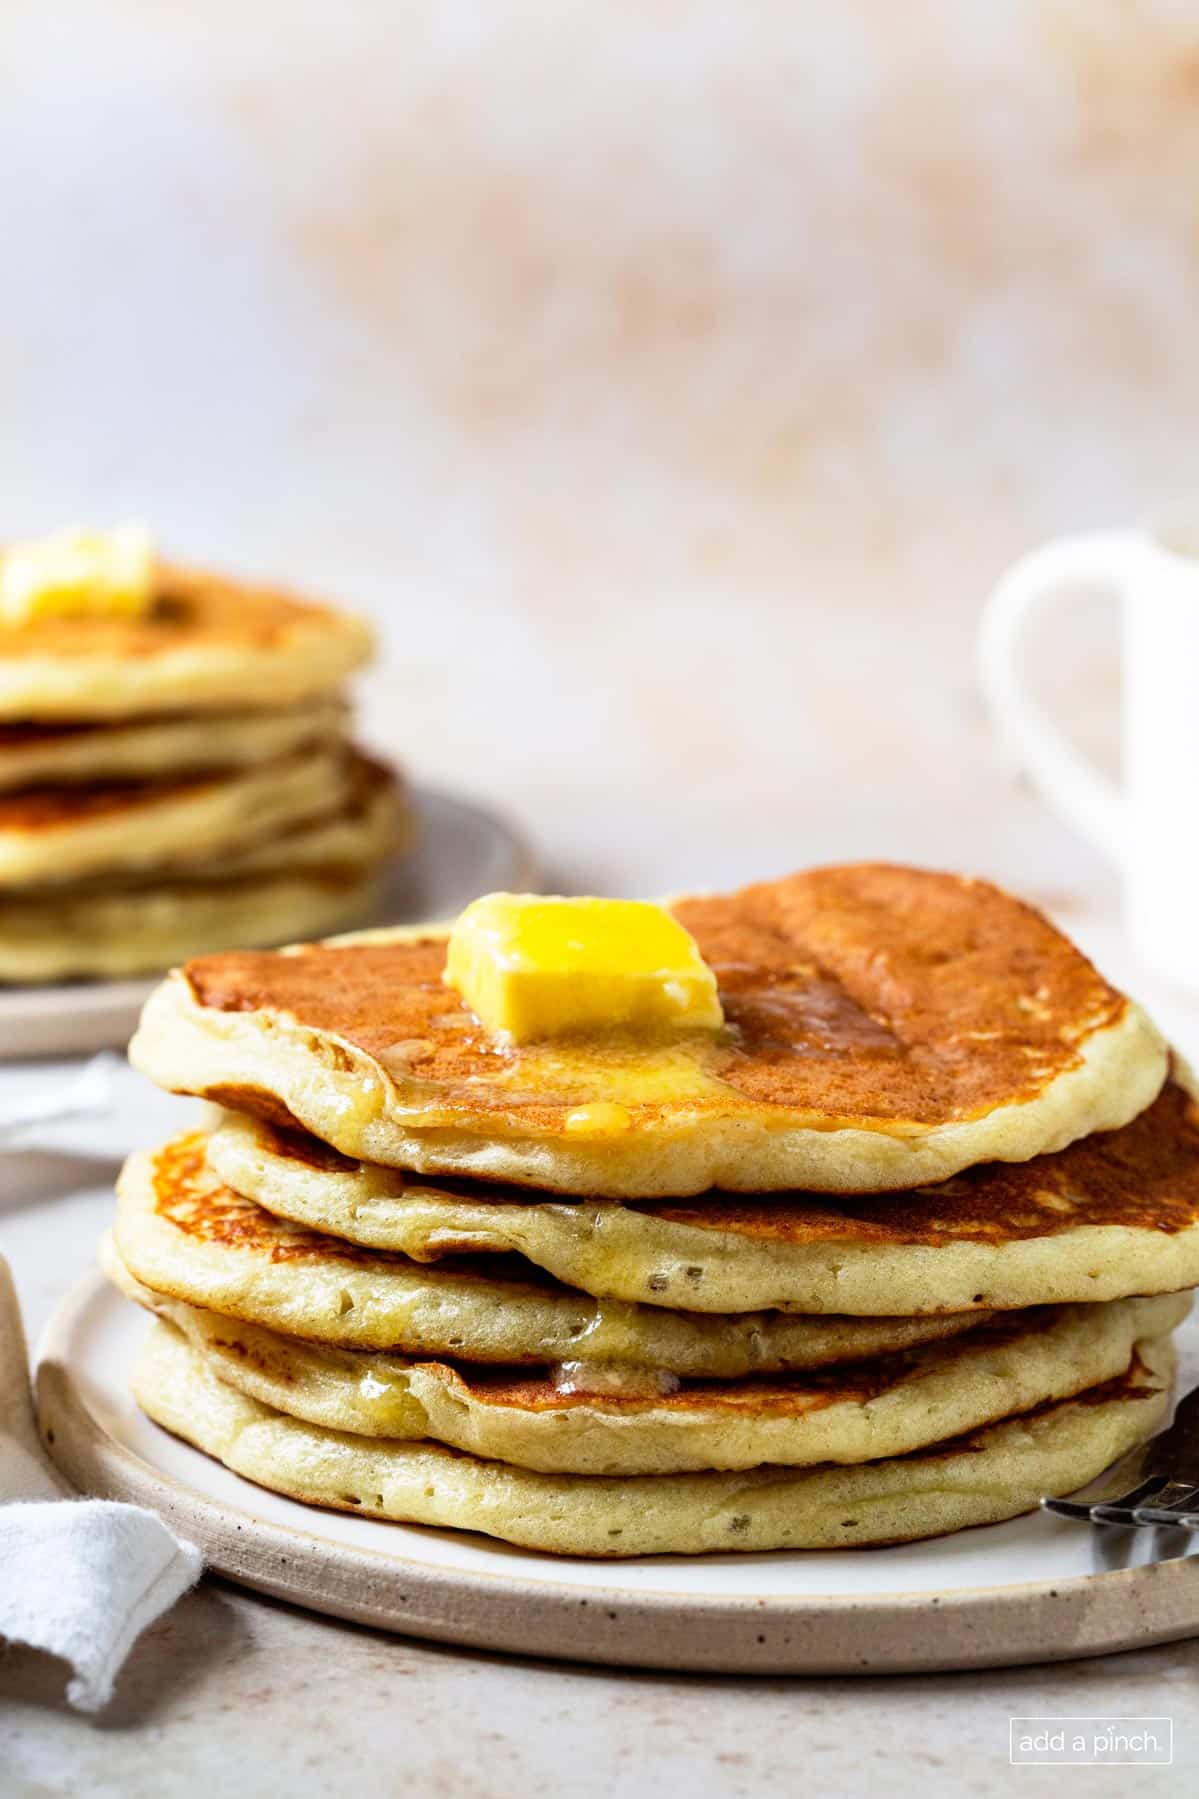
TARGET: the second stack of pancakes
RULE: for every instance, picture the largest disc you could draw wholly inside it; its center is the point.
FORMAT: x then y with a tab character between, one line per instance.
901	1254
184	779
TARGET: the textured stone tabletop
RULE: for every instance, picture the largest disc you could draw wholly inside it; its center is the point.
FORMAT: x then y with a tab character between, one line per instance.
237	1695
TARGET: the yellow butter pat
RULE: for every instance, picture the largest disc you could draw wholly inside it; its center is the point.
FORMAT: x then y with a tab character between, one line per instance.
78	574
531	967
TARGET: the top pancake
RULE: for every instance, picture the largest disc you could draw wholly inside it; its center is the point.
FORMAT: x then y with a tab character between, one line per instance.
209	643
886	1027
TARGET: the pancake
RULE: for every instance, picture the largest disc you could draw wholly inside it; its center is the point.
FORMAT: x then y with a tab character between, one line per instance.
375	820
584	1421
182	1234
990	1475
886	1028
150	749
210	644
55	835
70	933
1112	1215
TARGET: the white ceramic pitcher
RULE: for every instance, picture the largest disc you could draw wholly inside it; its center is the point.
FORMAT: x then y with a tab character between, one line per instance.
1147	823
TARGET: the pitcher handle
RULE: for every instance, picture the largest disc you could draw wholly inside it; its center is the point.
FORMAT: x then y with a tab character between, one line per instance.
1073	786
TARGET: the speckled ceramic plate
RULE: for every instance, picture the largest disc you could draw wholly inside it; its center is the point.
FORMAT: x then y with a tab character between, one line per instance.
463	850
1037	1589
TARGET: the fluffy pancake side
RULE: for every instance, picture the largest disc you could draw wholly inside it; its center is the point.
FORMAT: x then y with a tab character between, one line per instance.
150	749
993	1474
375	819
589	1424
57	835
82	933
183	1234
1112	1215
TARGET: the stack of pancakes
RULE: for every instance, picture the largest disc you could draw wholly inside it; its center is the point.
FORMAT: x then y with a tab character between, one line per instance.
180	781
899	1251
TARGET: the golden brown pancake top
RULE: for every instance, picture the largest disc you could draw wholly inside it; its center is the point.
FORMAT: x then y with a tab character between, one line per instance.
191	607
188	1196
864	993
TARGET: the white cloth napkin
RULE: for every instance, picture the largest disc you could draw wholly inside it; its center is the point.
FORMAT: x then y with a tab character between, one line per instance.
80	1578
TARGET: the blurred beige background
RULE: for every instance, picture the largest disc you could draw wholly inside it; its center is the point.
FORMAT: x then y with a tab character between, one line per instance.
670	381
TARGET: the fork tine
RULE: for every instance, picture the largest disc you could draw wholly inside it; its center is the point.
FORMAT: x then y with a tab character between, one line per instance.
1123	1510
1177	1503
1073	1509
1113	1511
1156	1484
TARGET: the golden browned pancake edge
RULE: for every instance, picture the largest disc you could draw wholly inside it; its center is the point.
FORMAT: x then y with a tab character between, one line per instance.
206	1210
1144	1176
35	811
783	1395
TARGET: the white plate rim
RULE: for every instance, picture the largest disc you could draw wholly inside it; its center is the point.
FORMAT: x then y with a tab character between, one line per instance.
976	1627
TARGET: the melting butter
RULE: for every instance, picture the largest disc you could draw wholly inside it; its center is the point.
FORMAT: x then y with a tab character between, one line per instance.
607	1076
78	573
388	1403
601	1118
533	966
357	1105
613	1379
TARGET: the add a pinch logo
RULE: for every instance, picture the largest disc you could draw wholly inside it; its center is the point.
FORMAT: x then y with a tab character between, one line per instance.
1091	1741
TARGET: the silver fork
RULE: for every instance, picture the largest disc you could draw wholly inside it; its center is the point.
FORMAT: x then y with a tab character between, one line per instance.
1157	1483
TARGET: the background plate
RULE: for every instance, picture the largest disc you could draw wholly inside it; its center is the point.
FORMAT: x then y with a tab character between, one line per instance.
1036	1589
463	850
